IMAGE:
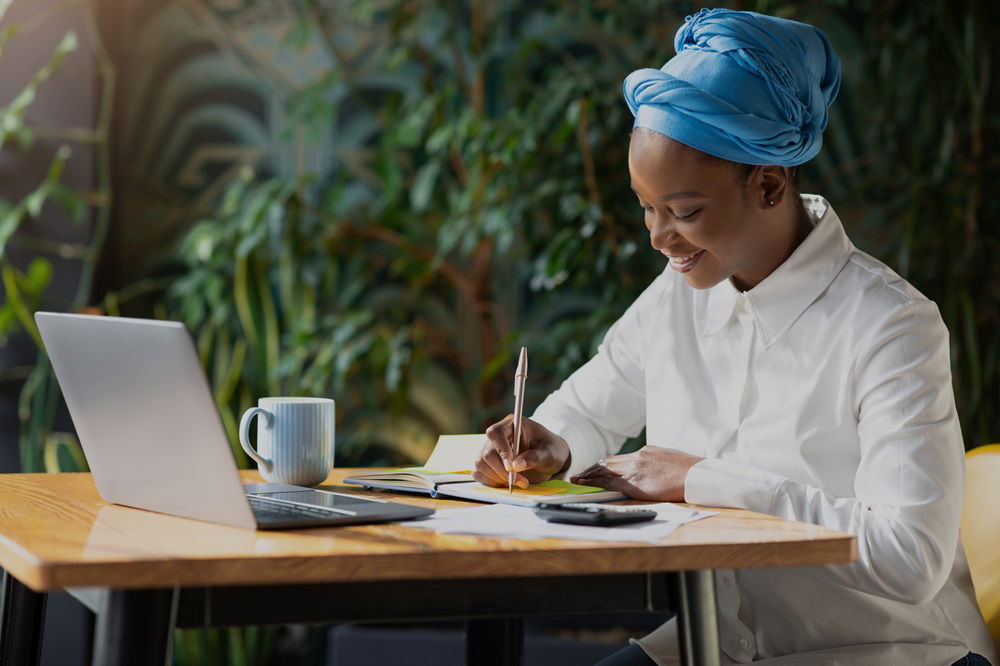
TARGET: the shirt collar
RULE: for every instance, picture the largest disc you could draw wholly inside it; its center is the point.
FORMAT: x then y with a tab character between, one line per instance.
722	300
785	294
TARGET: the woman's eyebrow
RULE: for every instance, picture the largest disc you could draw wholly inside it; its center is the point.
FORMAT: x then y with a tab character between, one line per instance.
681	195
687	194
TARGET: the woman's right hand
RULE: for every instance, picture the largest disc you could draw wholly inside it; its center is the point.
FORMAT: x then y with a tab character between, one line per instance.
542	453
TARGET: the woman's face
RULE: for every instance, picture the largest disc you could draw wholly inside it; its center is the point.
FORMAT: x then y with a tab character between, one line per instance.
709	224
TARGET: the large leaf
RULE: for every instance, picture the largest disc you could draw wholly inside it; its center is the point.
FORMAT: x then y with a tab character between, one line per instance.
12	117
12	216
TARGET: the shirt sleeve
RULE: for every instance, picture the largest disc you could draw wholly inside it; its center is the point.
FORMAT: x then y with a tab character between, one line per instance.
603	403
909	482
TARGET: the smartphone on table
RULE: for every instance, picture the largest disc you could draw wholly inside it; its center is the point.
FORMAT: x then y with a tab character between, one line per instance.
580	513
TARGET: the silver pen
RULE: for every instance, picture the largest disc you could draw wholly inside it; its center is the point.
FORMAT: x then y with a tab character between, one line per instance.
519	378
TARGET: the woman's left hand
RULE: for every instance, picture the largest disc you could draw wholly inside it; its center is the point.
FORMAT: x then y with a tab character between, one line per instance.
651	473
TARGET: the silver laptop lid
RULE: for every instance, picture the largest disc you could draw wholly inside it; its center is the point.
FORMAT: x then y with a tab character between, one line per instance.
145	415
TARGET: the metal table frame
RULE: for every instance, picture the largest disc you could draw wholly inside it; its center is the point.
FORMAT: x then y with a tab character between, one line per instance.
135	627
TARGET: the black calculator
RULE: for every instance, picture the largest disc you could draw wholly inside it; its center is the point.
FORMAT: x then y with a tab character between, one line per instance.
580	513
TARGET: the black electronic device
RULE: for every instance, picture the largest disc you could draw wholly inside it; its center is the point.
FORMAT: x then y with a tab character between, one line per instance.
597	515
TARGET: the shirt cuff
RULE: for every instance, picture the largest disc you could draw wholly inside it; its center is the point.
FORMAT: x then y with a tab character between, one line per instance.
727	483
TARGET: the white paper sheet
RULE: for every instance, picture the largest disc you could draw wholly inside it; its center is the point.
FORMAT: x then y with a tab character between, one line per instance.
455	452
505	520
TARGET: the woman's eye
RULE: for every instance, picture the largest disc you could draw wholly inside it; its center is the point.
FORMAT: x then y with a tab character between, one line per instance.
689	216
648	209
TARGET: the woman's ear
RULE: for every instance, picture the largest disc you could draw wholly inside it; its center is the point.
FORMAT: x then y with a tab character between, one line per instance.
773	182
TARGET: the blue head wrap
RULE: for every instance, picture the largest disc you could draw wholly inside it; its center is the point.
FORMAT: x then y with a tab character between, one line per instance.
743	86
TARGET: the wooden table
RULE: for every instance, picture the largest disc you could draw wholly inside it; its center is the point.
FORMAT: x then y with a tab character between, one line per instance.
144	574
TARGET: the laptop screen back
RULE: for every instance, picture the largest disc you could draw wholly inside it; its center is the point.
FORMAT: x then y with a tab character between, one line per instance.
145	415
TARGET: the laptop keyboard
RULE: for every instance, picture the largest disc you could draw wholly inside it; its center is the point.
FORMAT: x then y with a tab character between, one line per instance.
269	511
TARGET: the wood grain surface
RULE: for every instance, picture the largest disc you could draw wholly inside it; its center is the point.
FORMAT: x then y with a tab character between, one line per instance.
57	532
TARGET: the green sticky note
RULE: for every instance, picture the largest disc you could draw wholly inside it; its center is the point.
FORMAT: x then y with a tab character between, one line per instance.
567	488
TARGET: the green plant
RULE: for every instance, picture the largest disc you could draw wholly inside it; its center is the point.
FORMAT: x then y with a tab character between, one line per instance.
485	205
24	289
480	199
909	163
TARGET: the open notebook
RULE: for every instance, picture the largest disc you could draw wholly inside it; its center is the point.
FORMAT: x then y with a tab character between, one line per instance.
447	473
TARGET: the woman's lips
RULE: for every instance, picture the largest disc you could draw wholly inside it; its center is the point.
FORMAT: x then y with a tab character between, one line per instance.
688	263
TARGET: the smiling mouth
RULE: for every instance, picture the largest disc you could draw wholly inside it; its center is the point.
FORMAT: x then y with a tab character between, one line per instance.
684	264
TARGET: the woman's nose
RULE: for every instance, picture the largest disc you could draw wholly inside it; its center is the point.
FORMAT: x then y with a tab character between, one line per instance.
661	233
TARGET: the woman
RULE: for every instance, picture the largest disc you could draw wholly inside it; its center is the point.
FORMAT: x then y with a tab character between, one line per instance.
774	367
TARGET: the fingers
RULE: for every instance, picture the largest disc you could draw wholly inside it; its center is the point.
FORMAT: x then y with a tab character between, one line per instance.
530	465
603	475
494	459
606	481
488	476
602	467
489	468
500	435
594	470
527	460
613	473
500	438
599	475
534	457
612	482
499	430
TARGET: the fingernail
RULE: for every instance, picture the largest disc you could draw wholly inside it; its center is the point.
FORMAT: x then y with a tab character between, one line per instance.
522	483
506	465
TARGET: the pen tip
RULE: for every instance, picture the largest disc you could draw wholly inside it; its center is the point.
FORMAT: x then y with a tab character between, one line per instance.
522	362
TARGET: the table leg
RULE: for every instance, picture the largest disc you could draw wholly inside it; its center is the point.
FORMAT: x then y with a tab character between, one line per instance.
22	617
697	623
135	628
494	641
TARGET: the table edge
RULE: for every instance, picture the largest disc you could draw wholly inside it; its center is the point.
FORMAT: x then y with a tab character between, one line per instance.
56	575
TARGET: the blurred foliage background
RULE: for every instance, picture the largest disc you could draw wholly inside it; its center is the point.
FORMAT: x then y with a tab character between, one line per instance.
381	200
471	196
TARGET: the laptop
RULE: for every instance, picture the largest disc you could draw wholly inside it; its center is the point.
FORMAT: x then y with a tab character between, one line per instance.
151	434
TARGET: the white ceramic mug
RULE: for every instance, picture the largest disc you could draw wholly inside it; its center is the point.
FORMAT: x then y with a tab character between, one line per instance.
294	439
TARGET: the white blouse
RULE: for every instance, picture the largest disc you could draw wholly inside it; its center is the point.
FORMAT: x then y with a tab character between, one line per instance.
822	395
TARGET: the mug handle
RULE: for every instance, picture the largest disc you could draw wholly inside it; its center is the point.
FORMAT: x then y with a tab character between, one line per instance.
265	464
